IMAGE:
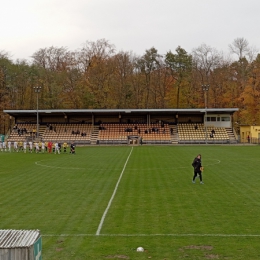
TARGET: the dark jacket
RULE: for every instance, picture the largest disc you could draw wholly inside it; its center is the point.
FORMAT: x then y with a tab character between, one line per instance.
197	164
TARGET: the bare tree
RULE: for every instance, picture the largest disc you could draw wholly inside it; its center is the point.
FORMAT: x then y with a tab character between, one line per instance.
94	52
240	47
96	64
52	58
4	54
252	53
205	60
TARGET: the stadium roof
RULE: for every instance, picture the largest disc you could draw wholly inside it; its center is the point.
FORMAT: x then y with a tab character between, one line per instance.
71	112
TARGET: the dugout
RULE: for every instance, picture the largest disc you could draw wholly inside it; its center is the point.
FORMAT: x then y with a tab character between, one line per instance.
20	245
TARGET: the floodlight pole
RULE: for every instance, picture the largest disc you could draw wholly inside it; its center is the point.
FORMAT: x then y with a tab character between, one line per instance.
37	90
205	88
10	122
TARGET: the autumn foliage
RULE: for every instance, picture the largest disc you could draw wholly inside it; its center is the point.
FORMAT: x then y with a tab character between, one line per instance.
96	76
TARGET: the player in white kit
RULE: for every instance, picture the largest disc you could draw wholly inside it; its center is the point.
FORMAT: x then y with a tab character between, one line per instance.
15	146
9	144
43	147
57	148
30	146
24	146
4	146
36	147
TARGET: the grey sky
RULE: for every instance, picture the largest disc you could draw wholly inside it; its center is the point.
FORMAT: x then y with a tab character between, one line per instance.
131	25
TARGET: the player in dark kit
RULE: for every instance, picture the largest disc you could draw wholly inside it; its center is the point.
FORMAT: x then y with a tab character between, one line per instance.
197	168
72	148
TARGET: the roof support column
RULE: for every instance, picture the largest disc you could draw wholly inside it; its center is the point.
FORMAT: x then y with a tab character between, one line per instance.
93	120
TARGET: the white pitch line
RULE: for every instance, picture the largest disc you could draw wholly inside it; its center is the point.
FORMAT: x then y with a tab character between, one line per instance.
113	195
152	235
56	167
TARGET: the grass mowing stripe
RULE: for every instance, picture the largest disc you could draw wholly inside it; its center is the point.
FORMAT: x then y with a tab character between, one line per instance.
152	235
113	195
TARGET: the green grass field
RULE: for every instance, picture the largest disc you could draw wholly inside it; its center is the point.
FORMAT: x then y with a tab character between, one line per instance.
104	202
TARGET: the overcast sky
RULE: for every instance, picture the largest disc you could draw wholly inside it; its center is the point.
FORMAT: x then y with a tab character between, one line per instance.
131	25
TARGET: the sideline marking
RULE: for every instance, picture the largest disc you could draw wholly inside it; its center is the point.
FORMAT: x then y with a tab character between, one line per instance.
113	195
56	167
153	235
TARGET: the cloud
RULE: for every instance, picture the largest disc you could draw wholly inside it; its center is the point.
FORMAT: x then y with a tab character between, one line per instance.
29	25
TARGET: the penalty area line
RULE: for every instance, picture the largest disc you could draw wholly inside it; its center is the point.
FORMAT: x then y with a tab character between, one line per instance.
113	195
152	235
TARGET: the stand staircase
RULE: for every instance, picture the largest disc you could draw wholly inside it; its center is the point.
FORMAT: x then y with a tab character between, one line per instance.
231	135
174	134
94	135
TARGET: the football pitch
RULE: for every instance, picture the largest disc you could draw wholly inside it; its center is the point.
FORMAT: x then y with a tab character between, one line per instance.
104	202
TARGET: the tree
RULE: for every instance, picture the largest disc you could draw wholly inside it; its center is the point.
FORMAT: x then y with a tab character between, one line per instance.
250	97
122	88
52	64
97	66
180	67
240	47
5	68
205	60
148	63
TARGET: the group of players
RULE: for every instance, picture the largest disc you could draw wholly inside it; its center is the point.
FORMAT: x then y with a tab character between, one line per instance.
37	147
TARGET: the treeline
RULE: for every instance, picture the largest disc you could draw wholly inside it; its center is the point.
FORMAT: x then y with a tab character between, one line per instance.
96	76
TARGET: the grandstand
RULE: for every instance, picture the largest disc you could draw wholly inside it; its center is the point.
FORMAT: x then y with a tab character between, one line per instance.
155	126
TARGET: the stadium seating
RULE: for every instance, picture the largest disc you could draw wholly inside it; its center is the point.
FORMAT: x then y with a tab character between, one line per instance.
196	133
19	134
112	133
120	133
79	133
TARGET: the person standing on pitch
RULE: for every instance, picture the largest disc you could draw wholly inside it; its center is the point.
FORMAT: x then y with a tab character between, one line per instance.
72	148
65	145
30	146
4	146
15	146
24	146
57	148
197	168
43	147
49	147
9	144
36	147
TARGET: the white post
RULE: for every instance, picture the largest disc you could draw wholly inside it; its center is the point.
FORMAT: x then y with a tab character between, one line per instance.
205	88
37	90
